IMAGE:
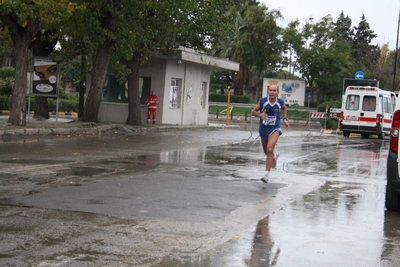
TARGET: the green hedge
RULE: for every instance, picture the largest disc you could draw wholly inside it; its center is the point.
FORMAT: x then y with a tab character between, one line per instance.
224	98
5	102
312	104
329	104
67	103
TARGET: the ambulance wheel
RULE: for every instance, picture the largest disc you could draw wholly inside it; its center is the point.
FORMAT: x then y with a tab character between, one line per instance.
365	135
346	134
392	200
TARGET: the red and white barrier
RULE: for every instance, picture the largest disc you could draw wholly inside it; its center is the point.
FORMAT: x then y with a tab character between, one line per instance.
317	115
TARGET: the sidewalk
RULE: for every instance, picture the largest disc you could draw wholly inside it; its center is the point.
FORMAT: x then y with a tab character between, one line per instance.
70	126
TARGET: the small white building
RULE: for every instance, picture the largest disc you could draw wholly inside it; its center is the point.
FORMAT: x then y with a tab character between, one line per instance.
180	80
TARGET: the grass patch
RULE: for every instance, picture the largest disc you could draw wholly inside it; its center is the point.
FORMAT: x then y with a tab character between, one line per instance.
241	111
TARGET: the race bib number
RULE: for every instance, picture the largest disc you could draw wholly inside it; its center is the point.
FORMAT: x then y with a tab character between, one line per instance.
269	121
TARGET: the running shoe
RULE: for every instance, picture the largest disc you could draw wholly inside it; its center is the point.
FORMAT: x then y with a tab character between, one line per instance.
264	179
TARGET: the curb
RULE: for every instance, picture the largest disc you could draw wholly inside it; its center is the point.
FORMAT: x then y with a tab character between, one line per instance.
83	129
60	113
71	114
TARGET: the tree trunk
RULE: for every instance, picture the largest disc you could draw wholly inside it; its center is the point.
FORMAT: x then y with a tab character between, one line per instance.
81	89
18	106
93	100
41	107
134	111
21	37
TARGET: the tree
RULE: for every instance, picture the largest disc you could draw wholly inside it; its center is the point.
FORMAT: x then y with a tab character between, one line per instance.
324	60
6	47
363	53
193	26
343	28
6	80
252	39
292	41
21	37
122	34
23	19
262	44
106	18
384	68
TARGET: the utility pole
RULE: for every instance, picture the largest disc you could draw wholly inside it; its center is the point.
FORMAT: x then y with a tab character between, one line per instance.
396	54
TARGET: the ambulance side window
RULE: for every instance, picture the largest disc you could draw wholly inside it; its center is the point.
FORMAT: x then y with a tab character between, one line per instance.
387	105
352	102
369	103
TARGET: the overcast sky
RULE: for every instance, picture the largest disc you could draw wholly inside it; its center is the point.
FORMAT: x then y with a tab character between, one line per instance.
382	16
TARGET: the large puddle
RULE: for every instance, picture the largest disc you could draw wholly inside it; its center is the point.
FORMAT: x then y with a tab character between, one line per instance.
341	222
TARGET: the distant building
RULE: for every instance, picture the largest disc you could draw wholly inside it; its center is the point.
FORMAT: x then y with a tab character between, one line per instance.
181	82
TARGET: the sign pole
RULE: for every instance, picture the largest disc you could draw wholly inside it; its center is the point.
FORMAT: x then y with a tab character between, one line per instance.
308	113
228	106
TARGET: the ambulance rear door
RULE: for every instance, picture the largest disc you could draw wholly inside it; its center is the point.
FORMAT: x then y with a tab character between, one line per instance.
370	106
388	103
360	107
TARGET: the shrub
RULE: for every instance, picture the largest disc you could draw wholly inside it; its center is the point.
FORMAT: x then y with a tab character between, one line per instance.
6	80
329	104
332	123
5	102
312	104
67	102
224	98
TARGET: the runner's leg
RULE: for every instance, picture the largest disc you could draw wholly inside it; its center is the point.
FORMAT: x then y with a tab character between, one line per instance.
270	146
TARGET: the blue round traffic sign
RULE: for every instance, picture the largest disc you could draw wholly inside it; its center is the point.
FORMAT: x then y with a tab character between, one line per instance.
359	75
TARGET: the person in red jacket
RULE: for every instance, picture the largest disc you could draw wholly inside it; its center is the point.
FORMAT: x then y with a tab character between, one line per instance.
152	101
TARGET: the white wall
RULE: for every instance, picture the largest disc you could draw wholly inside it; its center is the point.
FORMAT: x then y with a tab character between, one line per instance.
113	112
190	111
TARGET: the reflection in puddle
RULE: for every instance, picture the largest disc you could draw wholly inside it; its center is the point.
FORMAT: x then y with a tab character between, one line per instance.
263	251
184	155
391	246
253	249
343	158
334	225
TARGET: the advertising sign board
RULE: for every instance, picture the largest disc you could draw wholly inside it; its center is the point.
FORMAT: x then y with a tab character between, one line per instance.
291	91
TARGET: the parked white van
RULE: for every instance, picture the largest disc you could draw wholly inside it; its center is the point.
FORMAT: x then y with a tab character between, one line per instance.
367	110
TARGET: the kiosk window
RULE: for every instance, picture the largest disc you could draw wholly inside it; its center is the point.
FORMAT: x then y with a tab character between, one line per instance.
175	93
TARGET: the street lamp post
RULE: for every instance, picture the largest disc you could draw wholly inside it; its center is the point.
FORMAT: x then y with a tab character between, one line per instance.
396	54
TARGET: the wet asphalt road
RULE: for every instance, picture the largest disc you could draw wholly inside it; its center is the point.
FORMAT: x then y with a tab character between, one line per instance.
193	198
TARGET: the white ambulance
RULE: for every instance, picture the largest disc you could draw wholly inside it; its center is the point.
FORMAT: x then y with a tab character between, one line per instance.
367	110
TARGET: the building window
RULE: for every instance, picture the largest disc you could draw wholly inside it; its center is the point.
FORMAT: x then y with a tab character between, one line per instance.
114	91
145	88
175	93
